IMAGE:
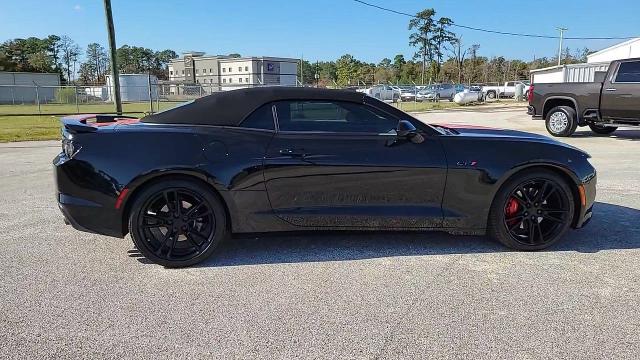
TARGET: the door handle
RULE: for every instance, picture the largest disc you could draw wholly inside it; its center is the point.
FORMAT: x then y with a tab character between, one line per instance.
296	153
610	89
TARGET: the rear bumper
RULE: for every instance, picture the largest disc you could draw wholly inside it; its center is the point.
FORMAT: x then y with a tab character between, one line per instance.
85	205
531	110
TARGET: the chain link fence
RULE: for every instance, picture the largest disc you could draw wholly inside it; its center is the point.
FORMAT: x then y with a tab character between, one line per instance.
141	99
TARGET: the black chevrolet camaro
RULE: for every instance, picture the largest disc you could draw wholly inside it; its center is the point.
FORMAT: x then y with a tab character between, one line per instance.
284	159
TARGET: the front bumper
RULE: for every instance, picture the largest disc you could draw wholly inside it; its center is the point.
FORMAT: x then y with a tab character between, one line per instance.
586	209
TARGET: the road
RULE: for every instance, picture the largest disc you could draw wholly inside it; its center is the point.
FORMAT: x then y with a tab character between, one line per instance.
67	294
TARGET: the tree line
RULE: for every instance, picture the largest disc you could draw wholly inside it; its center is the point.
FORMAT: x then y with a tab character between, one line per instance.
60	54
440	56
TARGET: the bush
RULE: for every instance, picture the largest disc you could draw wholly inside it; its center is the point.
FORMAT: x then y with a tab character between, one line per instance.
66	95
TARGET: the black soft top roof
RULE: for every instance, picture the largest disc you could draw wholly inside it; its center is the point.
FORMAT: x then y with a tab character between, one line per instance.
229	108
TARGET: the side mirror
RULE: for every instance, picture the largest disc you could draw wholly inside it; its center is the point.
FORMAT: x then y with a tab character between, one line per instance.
406	129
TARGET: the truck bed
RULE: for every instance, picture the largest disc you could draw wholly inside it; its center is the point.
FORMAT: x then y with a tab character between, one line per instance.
586	95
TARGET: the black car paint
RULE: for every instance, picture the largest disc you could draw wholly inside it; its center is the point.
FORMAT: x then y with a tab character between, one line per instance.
446	182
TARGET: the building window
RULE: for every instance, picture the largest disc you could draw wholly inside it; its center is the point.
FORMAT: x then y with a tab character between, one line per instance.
230	69
240	80
230	80
239	68
196	71
246	68
246	80
204	71
198	81
170	72
182	72
224	69
224	81
210	71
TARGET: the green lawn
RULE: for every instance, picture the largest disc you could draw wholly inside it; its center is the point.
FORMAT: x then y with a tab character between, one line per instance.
20	127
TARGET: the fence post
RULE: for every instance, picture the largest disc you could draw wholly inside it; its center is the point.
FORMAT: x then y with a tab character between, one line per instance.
158	87
75	89
150	97
13	95
38	98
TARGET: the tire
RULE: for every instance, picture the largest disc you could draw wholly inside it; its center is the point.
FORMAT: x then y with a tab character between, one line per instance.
437	97
451	98
561	121
170	240
602	130
491	95
512	225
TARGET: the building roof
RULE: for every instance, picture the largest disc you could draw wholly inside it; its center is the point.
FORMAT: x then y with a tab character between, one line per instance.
625	43
230	108
559	67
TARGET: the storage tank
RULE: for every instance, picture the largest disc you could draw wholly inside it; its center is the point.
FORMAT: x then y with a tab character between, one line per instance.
134	87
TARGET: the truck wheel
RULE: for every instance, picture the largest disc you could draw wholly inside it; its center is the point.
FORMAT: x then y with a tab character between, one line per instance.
491	95
561	121
602	130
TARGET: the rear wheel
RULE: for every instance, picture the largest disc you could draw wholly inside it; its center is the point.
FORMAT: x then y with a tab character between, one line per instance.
561	121
491	95
602	130
177	223
531	211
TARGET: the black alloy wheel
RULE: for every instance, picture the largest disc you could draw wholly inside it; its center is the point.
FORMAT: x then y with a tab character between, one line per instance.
532	211
177	223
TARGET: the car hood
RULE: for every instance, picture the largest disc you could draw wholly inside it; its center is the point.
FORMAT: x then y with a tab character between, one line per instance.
488	132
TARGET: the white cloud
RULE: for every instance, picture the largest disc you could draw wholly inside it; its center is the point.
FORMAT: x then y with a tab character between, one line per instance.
77	7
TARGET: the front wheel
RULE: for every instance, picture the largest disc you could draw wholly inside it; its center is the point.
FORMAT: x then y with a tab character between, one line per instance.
531	211
177	223
561	121
602	130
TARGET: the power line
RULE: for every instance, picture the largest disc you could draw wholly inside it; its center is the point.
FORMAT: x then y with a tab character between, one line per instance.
499	32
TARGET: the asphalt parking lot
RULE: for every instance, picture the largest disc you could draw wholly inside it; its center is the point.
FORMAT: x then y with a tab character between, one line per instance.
67	294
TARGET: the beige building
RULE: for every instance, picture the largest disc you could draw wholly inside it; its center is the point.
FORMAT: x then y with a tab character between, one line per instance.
227	72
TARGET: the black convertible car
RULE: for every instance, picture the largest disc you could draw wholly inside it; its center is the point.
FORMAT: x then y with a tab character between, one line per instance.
283	159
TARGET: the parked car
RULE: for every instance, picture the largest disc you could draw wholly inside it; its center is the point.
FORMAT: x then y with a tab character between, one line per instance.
613	100
290	158
436	92
408	93
382	92
507	90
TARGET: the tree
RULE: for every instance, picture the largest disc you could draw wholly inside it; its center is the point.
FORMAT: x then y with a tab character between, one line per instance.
458	56
70	52
422	37
346	70
442	37
95	67
398	63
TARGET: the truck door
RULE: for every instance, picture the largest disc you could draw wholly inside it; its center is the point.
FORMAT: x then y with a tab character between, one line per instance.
621	93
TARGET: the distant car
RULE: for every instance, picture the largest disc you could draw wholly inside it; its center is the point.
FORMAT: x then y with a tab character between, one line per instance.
408	93
273	159
507	90
382	92
437	92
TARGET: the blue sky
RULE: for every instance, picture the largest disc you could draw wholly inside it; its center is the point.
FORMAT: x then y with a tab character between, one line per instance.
320	29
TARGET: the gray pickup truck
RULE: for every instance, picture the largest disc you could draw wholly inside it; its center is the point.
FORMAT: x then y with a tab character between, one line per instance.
612	101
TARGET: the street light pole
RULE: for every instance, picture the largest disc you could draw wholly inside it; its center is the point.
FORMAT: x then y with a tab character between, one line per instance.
115	80
562	30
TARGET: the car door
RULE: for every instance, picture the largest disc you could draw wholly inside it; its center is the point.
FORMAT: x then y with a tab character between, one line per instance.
509	89
340	164
621	93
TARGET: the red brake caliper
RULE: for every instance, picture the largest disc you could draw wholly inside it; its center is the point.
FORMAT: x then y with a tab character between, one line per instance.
511	209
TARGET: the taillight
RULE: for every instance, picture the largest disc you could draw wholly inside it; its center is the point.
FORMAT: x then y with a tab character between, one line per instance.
530	94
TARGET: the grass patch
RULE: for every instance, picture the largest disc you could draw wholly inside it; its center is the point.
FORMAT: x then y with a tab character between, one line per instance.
18	127
411	106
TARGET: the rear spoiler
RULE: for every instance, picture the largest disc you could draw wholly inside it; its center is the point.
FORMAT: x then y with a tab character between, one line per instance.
81	123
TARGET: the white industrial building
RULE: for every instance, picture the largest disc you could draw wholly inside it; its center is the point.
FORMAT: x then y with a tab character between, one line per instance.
27	87
598	61
220	72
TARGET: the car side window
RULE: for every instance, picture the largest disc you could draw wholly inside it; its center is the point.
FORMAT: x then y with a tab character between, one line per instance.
510	83
628	72
332	116
261	118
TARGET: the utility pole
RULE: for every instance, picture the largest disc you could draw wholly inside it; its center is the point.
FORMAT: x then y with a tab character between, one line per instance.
115	80
562	30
